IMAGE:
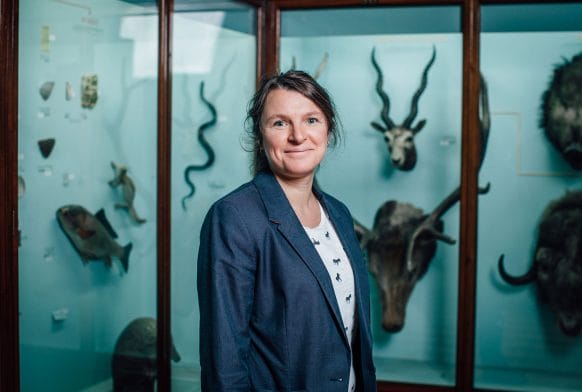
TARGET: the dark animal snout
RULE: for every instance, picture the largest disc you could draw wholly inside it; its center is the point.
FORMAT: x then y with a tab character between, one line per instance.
393	314
573	154
404	159
404	165
392	327
570	328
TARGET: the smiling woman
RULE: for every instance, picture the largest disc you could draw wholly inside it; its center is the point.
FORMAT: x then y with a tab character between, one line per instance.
282	283
294	135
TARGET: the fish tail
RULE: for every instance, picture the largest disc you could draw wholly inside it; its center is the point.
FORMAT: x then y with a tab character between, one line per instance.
125	256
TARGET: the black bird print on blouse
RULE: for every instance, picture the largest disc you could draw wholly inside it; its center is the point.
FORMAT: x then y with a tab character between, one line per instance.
327	235
315	242
336	261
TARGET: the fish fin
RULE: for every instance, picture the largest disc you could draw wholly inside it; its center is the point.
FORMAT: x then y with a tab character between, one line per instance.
125	257
100	215
84	234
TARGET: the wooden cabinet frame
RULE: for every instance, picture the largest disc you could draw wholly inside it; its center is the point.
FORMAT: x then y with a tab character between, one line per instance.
268	34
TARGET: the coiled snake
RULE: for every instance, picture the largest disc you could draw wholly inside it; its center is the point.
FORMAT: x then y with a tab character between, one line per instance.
205	145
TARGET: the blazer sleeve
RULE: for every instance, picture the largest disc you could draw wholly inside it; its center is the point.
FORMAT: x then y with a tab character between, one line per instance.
226	278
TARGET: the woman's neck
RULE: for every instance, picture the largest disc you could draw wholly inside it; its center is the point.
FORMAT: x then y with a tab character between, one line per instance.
299	192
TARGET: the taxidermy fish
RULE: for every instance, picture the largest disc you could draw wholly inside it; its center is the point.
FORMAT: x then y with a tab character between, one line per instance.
562	111
133	365
128	190
92	235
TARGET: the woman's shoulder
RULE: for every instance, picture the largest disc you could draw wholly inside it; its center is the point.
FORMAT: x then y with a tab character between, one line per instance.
244	199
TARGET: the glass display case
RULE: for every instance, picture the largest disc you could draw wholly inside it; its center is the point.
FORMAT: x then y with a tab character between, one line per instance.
213	78
374	163
526	328
87	190
87	165
99	119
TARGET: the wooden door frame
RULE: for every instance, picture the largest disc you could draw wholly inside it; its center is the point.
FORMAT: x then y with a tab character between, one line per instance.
9	333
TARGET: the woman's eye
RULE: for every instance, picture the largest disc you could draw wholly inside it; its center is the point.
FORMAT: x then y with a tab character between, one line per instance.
312	120
278	123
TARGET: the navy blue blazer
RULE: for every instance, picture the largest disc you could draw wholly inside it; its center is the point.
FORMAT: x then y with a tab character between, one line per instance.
269	318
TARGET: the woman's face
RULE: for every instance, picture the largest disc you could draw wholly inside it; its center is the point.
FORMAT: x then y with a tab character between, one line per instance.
295	134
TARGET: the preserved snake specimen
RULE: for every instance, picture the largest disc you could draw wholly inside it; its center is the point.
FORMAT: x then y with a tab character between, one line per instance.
205	145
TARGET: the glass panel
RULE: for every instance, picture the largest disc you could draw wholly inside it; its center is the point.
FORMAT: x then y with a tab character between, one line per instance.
337	45
534	157
214	68
87	161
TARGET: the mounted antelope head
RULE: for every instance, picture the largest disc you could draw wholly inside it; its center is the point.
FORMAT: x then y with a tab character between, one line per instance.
403	241
400	138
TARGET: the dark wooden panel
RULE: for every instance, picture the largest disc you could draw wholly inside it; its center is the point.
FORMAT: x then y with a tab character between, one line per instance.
164	193
468	209
9	338
272	38
261	43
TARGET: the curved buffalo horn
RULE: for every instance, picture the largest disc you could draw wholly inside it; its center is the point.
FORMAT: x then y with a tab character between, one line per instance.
485	123
429	224
526	278
414	104
385	100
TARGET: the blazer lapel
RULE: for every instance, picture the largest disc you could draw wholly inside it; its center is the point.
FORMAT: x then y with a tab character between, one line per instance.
344	226
280	213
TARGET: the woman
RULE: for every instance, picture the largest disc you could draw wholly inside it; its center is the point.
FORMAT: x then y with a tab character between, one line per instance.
282	284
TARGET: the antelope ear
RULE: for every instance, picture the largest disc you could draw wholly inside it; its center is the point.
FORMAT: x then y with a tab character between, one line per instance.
378	127
419	126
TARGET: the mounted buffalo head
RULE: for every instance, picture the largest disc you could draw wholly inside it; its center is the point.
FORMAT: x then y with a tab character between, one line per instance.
400	138
562	111
403	241
557	265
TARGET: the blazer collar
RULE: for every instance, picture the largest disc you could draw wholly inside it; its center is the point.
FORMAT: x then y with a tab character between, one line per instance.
280	213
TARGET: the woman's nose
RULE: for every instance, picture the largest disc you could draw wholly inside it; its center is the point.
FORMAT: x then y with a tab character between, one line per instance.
298	134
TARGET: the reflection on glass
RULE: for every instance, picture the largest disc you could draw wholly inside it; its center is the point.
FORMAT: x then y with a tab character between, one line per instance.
87	270
372	62
522	337
214	68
